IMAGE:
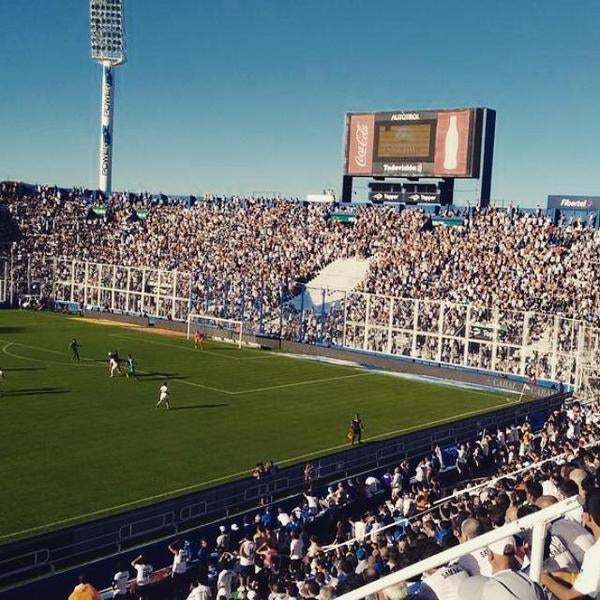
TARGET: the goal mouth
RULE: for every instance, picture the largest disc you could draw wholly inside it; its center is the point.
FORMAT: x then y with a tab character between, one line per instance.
216	328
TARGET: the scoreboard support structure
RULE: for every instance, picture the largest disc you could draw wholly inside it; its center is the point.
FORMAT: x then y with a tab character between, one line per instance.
444	144
487	158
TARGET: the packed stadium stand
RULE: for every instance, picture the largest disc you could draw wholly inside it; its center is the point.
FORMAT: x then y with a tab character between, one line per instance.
252	259
518	261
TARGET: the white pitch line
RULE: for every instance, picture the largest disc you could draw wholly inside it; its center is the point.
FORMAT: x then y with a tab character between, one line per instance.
307	382
233	475
44	360
201	385
272	387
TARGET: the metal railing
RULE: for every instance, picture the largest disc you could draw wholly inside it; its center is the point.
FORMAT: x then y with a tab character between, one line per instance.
537	522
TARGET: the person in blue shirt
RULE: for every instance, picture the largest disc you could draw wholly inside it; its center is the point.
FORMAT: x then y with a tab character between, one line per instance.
203	554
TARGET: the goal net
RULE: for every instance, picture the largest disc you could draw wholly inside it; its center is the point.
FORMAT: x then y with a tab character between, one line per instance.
226	330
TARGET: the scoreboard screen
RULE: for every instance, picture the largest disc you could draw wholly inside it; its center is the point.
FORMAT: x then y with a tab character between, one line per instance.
405	141
416	143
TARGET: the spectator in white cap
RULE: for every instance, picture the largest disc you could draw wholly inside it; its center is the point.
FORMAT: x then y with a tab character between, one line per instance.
223	540
507	583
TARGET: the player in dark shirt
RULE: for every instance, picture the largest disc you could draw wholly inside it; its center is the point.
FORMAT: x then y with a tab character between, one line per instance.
356	429
74	347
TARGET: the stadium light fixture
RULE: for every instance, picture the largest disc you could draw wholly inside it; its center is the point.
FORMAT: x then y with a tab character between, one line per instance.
107	39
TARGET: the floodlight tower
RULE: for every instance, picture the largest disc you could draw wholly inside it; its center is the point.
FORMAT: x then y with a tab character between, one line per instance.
107	38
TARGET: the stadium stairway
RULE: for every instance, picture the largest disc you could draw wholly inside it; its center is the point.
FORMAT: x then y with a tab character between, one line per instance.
338	277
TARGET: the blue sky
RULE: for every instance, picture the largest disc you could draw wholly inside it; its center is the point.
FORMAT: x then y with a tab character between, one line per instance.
239	96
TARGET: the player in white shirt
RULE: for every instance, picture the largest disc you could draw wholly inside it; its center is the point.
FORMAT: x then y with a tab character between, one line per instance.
163	396
113	365
1	380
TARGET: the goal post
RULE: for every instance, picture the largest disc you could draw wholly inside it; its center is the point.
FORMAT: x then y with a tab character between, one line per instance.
227	330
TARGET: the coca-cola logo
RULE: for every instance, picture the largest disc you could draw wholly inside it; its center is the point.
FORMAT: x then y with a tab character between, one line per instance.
361	135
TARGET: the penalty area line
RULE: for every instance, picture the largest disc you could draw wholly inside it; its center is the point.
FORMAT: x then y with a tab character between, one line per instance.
203	484
298	383
187	348
271	387
43	360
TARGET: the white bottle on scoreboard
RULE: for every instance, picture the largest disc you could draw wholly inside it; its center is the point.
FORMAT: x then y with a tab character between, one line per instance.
451	146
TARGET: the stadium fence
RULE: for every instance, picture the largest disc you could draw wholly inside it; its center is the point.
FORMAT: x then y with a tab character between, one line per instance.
529	344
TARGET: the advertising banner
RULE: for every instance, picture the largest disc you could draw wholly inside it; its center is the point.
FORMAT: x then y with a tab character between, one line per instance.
452	143
574	202
360	144
405	197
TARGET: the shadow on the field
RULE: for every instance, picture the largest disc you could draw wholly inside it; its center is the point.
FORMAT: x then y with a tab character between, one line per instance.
25	369
11	329
35	391
159	375
192	406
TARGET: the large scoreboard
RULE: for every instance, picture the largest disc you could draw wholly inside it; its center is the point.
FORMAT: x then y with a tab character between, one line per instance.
414	143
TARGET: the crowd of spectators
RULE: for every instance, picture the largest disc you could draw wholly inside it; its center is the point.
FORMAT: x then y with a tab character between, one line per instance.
358	530
248	258
258	249
339	537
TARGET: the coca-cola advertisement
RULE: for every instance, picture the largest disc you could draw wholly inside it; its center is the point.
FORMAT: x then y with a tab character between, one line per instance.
452	143
414	143
360	144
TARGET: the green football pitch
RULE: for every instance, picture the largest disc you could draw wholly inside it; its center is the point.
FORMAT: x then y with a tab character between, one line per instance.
77	445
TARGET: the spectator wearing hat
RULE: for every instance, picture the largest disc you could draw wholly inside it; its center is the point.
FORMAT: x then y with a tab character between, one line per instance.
120	583
222	541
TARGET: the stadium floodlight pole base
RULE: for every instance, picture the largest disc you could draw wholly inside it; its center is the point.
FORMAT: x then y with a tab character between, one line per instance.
215	327
106	129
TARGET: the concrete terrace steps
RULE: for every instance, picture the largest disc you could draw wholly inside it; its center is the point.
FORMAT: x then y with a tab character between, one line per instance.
340	276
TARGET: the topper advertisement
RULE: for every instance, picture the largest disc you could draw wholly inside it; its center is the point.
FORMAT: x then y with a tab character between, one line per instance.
415	143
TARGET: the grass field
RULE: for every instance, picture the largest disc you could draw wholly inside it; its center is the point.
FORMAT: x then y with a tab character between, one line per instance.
75	444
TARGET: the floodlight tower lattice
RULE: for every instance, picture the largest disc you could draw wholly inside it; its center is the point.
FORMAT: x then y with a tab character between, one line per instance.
107	38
